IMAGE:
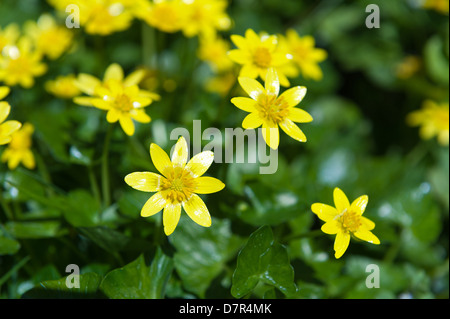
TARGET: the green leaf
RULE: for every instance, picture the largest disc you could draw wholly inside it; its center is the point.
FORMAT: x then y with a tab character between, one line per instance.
139	281
107	238
436	62
263	259
202	252
8	246
81	209
33	230
57	289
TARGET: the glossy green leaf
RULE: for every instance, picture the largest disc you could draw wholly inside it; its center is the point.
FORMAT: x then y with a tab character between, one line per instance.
34	230
105	237
263	259
58	289
202	253
8	246
137	280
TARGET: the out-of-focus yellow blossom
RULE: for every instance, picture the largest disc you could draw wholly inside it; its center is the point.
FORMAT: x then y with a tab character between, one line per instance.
441	6
121	97
433	120
51	39
9	127
205	17
9	35
63	87
19	149
272	111
304	54
214	51
257	54
221	83
101	17
165	15
20	64
345	220
408	67
178	185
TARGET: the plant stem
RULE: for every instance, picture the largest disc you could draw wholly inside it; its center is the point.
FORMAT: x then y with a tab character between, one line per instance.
105	167
94	185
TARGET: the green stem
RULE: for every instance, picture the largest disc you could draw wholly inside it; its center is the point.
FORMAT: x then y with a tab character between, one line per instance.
94	185
105	168
8	212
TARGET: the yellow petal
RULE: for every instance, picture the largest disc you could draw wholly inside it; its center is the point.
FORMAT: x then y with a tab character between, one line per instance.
272	84
252	38
253	88
144	181
340	200
294	95
112	116
180	153
244	103
359	204
171	217
9	127
239	56
5	108
87	83
208	185
140	116
271	135
84	100
200	163
367	236
134	78
249	71
367	223
239	41
331	227
252	121
341	244
160	159
113	72
28	159
101	104
291	129
324	212
4	91
153	205
127	125
299	116
197	211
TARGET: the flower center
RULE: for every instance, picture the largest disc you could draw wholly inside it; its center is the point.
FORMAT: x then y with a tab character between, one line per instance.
262	58
274	109
350	220
178	185
123	103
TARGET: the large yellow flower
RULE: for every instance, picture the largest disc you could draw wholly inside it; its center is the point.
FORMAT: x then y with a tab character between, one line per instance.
50	39
19	149
121	97
433	120
178	185
304	54
272	111
205	17
9	127
257	54
20	64
345	220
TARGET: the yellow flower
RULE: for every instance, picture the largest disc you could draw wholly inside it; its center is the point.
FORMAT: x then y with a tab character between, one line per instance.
214	51
165	15
9	127
441	6
18	150
20	64
408	67
304	54
50	39
205	17
101	17
63	86
178	186
9	35
121	97
221	84
345	220
272	111
257	54
433	119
